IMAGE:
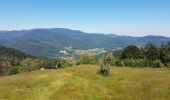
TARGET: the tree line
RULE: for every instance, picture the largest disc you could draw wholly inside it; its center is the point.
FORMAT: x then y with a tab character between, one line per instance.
148	56
133	56
13	61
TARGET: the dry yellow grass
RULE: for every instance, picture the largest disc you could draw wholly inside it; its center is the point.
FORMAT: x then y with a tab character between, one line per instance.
83	83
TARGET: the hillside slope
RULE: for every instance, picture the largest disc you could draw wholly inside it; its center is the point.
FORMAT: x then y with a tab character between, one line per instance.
12	53
83	83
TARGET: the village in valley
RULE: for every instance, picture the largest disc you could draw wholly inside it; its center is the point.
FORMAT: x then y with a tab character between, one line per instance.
68	52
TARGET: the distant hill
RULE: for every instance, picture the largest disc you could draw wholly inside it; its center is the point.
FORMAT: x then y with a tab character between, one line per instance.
158	40
48	42
12	53
154	39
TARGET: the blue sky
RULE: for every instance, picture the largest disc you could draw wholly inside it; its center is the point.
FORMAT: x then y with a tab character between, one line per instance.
123	17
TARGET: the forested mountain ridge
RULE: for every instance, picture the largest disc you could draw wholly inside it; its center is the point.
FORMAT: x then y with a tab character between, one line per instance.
48	42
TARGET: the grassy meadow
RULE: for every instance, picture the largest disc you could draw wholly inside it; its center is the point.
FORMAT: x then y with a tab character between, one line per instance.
83	83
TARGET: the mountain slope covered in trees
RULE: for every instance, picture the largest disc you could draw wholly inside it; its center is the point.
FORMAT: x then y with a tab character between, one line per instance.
12	53
48	42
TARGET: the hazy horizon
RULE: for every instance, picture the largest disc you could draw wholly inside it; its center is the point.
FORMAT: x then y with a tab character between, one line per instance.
89	32
130	17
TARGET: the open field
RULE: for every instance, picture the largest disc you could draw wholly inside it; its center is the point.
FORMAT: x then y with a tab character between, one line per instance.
83	83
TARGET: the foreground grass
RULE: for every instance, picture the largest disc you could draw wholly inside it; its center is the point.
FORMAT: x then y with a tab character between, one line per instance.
83	83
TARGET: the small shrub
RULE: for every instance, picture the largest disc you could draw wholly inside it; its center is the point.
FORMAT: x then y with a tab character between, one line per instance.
104	70
129	62
48	64
29	64
139	63
119	63
4	67
135	63
61	63
14	70
109	59
168	65
157	64
66	64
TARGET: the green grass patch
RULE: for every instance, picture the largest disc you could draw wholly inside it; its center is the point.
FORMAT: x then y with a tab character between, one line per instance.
83	83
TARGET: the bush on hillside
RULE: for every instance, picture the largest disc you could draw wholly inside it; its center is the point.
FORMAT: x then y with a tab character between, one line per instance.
119	63
129	62
48	64
14	70
104	70
135	63
29	64
87	59
61	63
4	67
157	64
109	59
168	65
140	63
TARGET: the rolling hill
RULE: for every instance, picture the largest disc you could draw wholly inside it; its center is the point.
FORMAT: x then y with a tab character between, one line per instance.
83	83
48	42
